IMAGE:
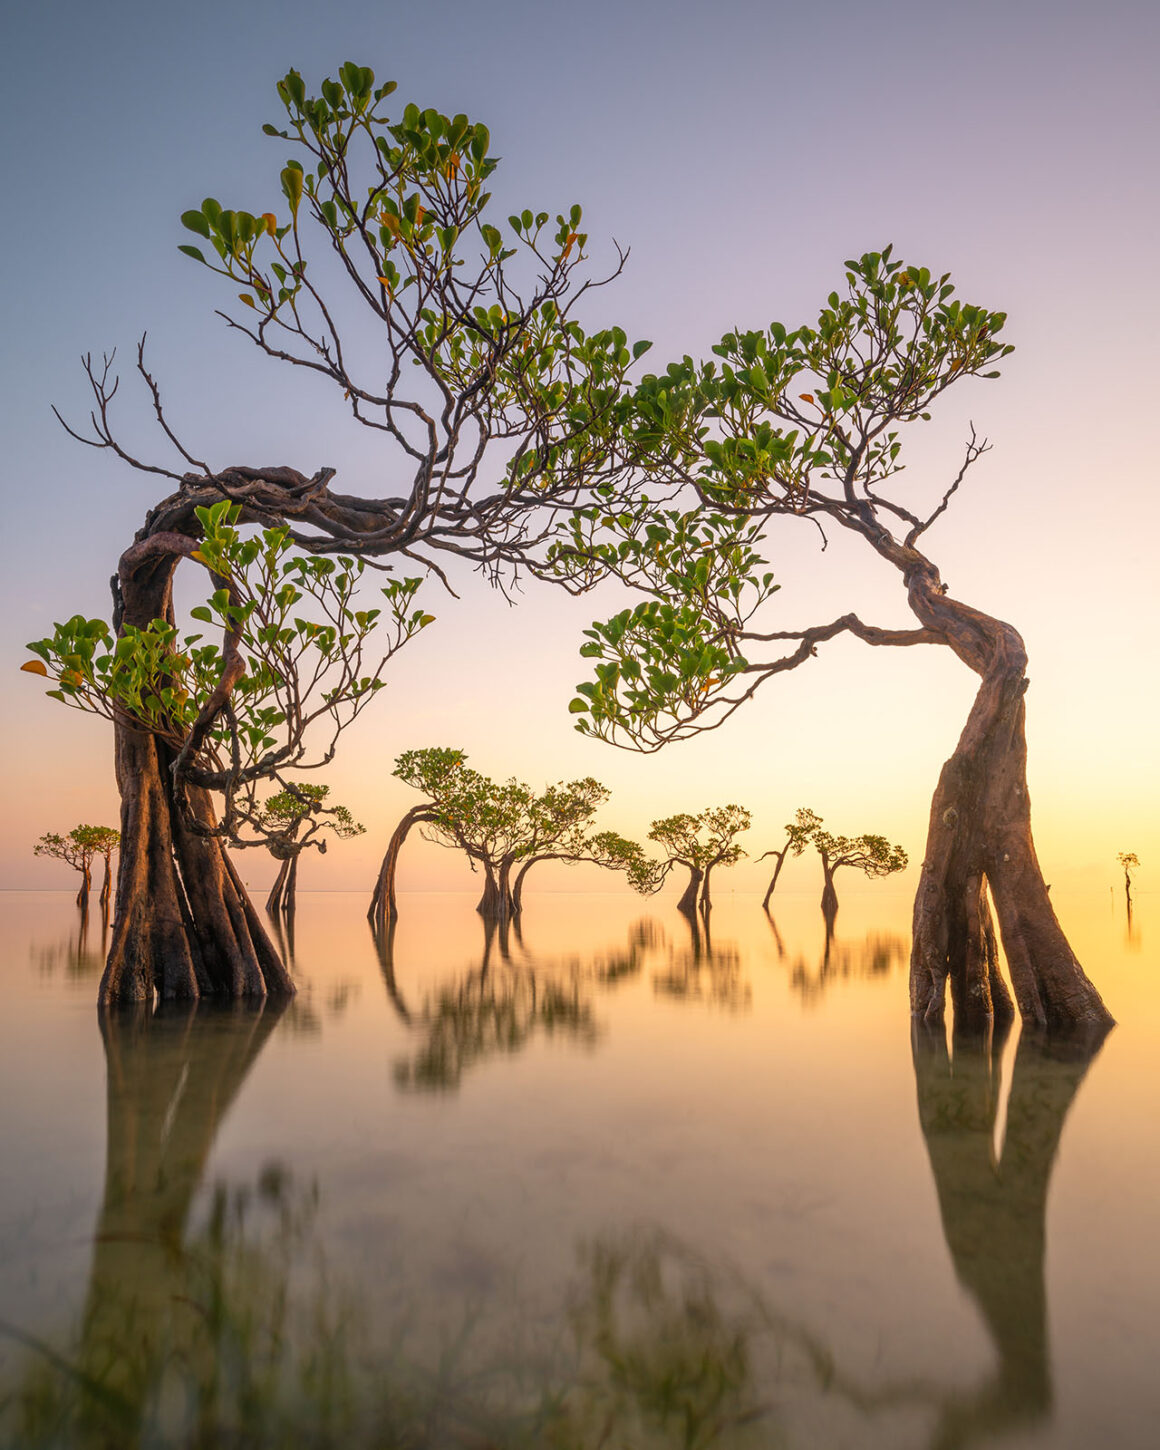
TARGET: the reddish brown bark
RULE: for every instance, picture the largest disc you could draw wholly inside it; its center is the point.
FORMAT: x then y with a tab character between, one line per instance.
688	901
979	846
184	927
384	907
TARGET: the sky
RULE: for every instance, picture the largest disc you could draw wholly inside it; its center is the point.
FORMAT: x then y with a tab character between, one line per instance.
742	151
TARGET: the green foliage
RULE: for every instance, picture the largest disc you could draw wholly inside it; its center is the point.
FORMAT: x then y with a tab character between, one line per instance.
479	308
289	618
284	815
662	658
499	821
704	840
802	422
871	854
80	846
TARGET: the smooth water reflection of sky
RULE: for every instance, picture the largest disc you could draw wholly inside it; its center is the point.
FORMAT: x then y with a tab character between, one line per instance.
573	1165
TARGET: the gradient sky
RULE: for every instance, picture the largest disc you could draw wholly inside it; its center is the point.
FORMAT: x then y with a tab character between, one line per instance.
742	151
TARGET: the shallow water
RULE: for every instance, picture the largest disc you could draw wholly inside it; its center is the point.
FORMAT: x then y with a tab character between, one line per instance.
599	1184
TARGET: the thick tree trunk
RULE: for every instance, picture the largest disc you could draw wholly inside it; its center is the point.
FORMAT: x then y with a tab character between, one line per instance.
497	903
829	892
979	842
86	889
688	902
488	903
185	927
384	907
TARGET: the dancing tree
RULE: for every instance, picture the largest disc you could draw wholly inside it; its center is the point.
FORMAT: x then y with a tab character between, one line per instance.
1129	861
296	819
873	855
504	828
78	850
804	424
698	843
494	408
797	836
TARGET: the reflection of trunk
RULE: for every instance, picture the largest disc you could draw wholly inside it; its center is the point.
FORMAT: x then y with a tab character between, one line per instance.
384	940
688	902
384	906
979	840
777	937
172	1076
994	1212
184	924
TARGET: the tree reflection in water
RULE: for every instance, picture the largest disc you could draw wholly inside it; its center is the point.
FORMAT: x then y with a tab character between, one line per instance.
994	1207
213	1321
877	955
701	972
81	955
493	1010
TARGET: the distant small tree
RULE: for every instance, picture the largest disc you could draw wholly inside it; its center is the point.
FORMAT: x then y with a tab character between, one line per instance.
504	828
797	837
602	848
434	771
106	840
699	843
1130	862
293	820
77	850
870	854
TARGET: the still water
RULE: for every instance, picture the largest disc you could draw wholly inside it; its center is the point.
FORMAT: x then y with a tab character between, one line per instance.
604	1183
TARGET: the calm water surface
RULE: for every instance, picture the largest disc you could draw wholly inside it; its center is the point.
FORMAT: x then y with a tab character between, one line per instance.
602	1184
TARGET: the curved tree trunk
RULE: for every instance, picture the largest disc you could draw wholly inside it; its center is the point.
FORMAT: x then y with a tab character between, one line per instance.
779	857
384	907
277	891
979	841
518	883
290	895
184	927
86	888
706	899
488	904
106	884
688	902
829	893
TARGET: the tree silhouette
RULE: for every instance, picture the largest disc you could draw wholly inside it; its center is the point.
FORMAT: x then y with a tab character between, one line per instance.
78	850
699	843
295	819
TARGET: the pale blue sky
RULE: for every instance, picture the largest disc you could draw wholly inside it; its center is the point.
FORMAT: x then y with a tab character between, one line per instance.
742	151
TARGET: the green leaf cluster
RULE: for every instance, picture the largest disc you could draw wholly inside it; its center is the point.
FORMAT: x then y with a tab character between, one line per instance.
291	618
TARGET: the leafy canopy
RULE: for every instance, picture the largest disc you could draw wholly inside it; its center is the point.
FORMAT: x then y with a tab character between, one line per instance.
307	660
803	423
